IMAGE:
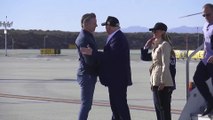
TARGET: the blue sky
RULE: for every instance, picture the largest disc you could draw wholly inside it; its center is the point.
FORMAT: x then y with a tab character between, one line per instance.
65	15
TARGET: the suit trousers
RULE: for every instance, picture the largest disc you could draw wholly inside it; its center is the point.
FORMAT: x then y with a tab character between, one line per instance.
87	84
118	102
202	74
162	102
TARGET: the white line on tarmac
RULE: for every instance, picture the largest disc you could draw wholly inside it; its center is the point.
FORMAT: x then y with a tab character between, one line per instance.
73	101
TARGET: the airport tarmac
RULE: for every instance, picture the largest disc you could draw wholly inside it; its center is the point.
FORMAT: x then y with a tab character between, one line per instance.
42	87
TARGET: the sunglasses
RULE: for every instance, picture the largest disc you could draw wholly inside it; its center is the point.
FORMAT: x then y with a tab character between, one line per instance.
207	15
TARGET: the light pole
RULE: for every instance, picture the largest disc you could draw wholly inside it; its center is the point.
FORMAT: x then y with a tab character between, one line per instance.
46	36
13	42
198	38
5	24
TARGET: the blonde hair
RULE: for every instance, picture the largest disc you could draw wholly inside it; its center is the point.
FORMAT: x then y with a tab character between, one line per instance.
166	37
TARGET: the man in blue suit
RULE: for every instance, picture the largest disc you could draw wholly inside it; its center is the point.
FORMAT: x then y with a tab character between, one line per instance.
115	69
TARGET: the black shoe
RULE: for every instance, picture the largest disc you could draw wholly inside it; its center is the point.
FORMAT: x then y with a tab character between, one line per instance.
208	109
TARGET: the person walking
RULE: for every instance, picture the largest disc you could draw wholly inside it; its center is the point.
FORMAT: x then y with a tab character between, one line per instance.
204	69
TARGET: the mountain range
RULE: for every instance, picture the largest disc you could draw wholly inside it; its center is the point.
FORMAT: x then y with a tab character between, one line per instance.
181	29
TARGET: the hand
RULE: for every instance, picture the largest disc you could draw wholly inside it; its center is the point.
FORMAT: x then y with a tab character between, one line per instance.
149	43
161	87
86	50
151	87
210	60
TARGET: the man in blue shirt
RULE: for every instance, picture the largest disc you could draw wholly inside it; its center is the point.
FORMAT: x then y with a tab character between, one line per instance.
204	69
87	73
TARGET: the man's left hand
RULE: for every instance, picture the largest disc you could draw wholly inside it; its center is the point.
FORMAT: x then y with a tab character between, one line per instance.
210	60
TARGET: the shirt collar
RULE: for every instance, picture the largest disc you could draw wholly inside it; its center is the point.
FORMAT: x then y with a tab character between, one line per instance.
110	36
208	25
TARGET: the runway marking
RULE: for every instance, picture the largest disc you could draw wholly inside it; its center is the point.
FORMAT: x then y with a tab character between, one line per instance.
36	80
77	101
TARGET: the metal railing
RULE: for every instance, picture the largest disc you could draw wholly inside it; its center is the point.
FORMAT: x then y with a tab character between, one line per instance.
187	68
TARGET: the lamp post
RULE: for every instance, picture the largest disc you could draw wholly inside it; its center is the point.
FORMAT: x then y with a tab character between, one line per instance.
46	36
198	38
187	66
5	24
13	42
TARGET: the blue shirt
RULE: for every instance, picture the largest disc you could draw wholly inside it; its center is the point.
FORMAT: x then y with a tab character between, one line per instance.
208	32
87	63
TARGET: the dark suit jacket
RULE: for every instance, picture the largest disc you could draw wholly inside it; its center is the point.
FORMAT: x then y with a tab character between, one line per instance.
88	63
115	62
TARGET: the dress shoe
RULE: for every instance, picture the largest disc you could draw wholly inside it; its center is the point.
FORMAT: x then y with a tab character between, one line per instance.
208	109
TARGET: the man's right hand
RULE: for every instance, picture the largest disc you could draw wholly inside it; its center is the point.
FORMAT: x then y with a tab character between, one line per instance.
86	50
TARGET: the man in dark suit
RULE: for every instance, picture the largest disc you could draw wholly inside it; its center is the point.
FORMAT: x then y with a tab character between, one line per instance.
114	68
116	71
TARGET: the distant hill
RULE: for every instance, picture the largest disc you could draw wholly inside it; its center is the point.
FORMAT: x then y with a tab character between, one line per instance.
37	39
182	29
185	29
133	29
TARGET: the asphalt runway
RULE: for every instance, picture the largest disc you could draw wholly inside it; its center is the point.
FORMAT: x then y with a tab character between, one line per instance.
44	87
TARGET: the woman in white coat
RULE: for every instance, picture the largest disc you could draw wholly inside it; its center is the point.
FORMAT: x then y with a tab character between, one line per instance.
161	80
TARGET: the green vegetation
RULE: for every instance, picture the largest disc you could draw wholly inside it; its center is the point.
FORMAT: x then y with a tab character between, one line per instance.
37	39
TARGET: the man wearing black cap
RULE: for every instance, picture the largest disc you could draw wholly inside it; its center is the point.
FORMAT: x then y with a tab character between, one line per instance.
116	73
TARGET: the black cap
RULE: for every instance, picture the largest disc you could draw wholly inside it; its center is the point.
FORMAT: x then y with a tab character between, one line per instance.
112	21
159	26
